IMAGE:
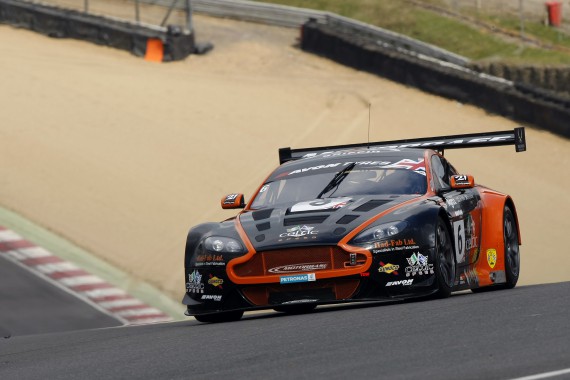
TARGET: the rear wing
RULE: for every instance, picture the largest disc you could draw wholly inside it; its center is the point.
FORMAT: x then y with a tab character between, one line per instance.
515	137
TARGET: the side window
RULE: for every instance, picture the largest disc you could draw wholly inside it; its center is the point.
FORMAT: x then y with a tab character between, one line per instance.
440	172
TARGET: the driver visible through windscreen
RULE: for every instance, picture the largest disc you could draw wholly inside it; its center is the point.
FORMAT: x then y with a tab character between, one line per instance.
341	179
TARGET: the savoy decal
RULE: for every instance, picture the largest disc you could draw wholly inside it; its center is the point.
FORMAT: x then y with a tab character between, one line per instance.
400	282
305	267
212	297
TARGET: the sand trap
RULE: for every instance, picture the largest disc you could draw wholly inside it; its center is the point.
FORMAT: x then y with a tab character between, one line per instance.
122	156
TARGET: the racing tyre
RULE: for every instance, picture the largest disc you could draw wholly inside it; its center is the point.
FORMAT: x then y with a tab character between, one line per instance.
444	260
227	316
512	254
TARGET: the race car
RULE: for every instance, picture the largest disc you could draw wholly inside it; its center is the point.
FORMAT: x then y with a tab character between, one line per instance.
356	223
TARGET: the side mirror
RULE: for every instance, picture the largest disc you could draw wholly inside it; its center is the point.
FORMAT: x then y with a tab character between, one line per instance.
233	201
462	181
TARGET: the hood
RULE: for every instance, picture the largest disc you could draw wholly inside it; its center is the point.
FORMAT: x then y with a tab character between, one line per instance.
318	222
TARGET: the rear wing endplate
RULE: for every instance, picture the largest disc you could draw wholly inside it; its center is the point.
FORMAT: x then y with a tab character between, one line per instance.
515	137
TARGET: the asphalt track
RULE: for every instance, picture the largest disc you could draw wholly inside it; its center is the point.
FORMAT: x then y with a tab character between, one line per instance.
31	305
494	335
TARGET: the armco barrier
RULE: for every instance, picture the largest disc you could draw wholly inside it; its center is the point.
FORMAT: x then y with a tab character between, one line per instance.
294	17
452	81
63	23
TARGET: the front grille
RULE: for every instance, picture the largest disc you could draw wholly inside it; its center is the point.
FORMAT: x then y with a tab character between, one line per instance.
297	260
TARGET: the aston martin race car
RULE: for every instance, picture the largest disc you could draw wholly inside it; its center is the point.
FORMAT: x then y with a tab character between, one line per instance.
356	223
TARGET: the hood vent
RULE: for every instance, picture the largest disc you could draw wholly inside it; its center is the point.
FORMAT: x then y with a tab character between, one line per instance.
313	219
346	219
262	214
371	205
263	226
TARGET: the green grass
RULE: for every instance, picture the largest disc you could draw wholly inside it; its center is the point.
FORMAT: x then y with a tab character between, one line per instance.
451	34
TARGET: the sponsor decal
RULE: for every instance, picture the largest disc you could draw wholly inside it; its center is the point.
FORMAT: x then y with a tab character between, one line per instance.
210	260
211	297
492	257
465	238
459	234
305	267
418	166
194	284
308	277
470	277
388	268
300	232
230	199
215	281
461	180
400	282
498	276
419	265
313	168
321	204
365	274
395	245
433	143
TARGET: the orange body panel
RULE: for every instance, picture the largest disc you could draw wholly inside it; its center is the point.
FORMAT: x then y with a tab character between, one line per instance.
492	235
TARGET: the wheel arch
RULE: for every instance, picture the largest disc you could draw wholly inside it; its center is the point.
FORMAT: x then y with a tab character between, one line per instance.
509	202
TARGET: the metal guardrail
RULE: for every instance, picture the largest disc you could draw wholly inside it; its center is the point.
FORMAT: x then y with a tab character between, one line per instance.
395	40
293	17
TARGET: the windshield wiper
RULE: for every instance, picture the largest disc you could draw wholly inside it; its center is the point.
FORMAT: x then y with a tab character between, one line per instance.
337	179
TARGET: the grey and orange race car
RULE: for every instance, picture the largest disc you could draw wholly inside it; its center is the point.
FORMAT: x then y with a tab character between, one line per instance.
361	222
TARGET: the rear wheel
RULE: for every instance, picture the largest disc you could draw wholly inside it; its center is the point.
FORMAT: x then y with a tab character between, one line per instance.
512	253
227	316
444	260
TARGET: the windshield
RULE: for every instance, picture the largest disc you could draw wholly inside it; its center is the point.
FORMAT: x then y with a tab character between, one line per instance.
356	182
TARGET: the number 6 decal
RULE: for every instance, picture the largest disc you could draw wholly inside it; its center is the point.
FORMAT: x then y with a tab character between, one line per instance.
459	235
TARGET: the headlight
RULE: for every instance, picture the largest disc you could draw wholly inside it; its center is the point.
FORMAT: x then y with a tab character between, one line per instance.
223	245
378	233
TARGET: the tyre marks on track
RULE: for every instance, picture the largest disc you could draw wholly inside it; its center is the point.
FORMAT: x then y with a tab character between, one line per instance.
76	281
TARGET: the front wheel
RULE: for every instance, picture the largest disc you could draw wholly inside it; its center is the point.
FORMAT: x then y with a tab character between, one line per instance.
227	316
444	260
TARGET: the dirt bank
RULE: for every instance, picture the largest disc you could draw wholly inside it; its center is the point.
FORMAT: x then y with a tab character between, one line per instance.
122	156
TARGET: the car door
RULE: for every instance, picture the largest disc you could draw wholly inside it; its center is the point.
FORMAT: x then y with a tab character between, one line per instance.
464	210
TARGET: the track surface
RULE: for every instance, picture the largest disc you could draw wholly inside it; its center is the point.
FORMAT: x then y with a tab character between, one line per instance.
30	305
499	335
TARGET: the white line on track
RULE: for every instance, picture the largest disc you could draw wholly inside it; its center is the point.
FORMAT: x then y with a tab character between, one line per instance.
545	375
